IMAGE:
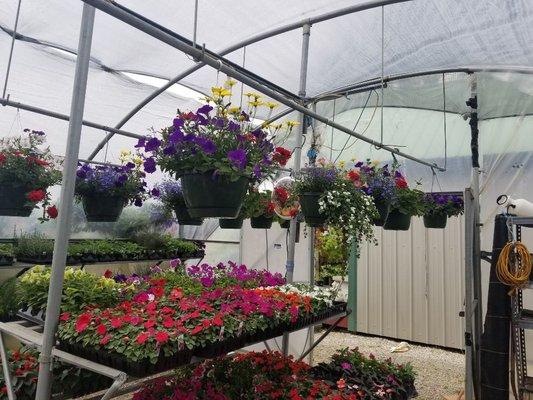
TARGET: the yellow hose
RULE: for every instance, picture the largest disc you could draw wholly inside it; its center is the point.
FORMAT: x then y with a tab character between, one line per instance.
514	266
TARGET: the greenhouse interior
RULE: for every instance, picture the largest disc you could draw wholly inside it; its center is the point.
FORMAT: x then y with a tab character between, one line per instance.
321	199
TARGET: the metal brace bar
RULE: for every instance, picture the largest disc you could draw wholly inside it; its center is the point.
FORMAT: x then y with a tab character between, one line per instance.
11	50
323	336
5	368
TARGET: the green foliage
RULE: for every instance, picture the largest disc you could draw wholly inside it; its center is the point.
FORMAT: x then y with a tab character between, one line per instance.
409	201
331	246
257	204
6	250
33	245
331	270
317	180
9	298
80	289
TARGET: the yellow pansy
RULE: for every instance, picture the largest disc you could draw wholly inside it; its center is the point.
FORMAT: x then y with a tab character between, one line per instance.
217	91
271	105
138	160
234	110
255	103
342	164
230	83
225	92
292	124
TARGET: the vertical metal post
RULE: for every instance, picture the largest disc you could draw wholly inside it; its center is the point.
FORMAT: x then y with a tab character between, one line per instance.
469	296
297	155
67	194
11	50
352	288
5	368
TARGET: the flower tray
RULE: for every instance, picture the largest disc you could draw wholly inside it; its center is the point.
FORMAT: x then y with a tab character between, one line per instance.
139	368
36	260
6	260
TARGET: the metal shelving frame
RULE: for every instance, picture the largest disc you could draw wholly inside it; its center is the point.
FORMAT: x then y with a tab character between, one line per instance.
520	321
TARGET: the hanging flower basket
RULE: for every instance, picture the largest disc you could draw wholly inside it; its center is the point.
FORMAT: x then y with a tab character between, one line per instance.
436	221
383	207
311	209
230	223
397	221
13	200
102	208
261	222
209	196
184	218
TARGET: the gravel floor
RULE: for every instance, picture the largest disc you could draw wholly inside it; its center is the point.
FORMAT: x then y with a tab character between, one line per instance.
439	372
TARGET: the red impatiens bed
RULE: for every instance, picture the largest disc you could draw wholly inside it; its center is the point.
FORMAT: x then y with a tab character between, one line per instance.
161	327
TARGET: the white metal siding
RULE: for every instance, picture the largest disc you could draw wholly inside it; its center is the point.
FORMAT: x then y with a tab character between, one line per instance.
411	285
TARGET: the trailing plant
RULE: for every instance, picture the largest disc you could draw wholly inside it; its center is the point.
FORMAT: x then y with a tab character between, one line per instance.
349	209
217	138
376	181
26	163
443	204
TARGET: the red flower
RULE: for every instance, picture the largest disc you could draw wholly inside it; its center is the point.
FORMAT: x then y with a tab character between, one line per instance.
217	321
116	322
64	317
197	329
52	212
353	175
143	337
176	294
341	383
40	162
136	320
2	158
158	291
105	340
161	337
36	196
108	273
83	322
101	329
150	323
282	194
401	183
168	322
270	208
281	156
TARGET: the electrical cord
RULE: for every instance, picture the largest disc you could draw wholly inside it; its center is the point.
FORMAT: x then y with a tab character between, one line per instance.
514	266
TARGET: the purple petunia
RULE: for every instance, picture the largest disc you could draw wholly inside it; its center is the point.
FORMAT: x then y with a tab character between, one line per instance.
238	158
207	145
141	143
149	165
205	110
152	144
257	171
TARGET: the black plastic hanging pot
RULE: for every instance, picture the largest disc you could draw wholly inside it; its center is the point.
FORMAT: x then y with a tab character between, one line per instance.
102	208
397	221
437	221
230	223
208	196
311	209
13	200
261	222
184	218
383	207
285	224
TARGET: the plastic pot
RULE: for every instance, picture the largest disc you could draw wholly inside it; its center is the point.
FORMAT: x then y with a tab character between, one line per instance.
311	209
230	223
435	221
261	222
206	196
383	207
102	208
184	218
397	221
12	200
285	224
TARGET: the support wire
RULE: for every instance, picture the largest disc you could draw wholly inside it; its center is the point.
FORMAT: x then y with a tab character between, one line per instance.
444	121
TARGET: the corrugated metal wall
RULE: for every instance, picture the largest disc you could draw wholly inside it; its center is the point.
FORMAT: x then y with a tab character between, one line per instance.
411	285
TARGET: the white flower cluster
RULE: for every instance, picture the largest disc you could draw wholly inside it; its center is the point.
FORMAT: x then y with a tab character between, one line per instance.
351	210
326	295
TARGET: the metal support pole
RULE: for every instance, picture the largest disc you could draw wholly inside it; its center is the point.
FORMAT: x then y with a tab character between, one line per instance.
5	369
253	81
66	201
297	156
8	70
352	288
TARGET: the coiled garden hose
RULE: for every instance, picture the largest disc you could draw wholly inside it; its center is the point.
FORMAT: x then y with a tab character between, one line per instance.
514	266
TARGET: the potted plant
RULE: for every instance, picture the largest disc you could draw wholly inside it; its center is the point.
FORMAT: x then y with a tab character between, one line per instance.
438	207
34	248
27	170
6	254
377	182
260	208
349	209
285	200
217	152
104	190
171	195
407	203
